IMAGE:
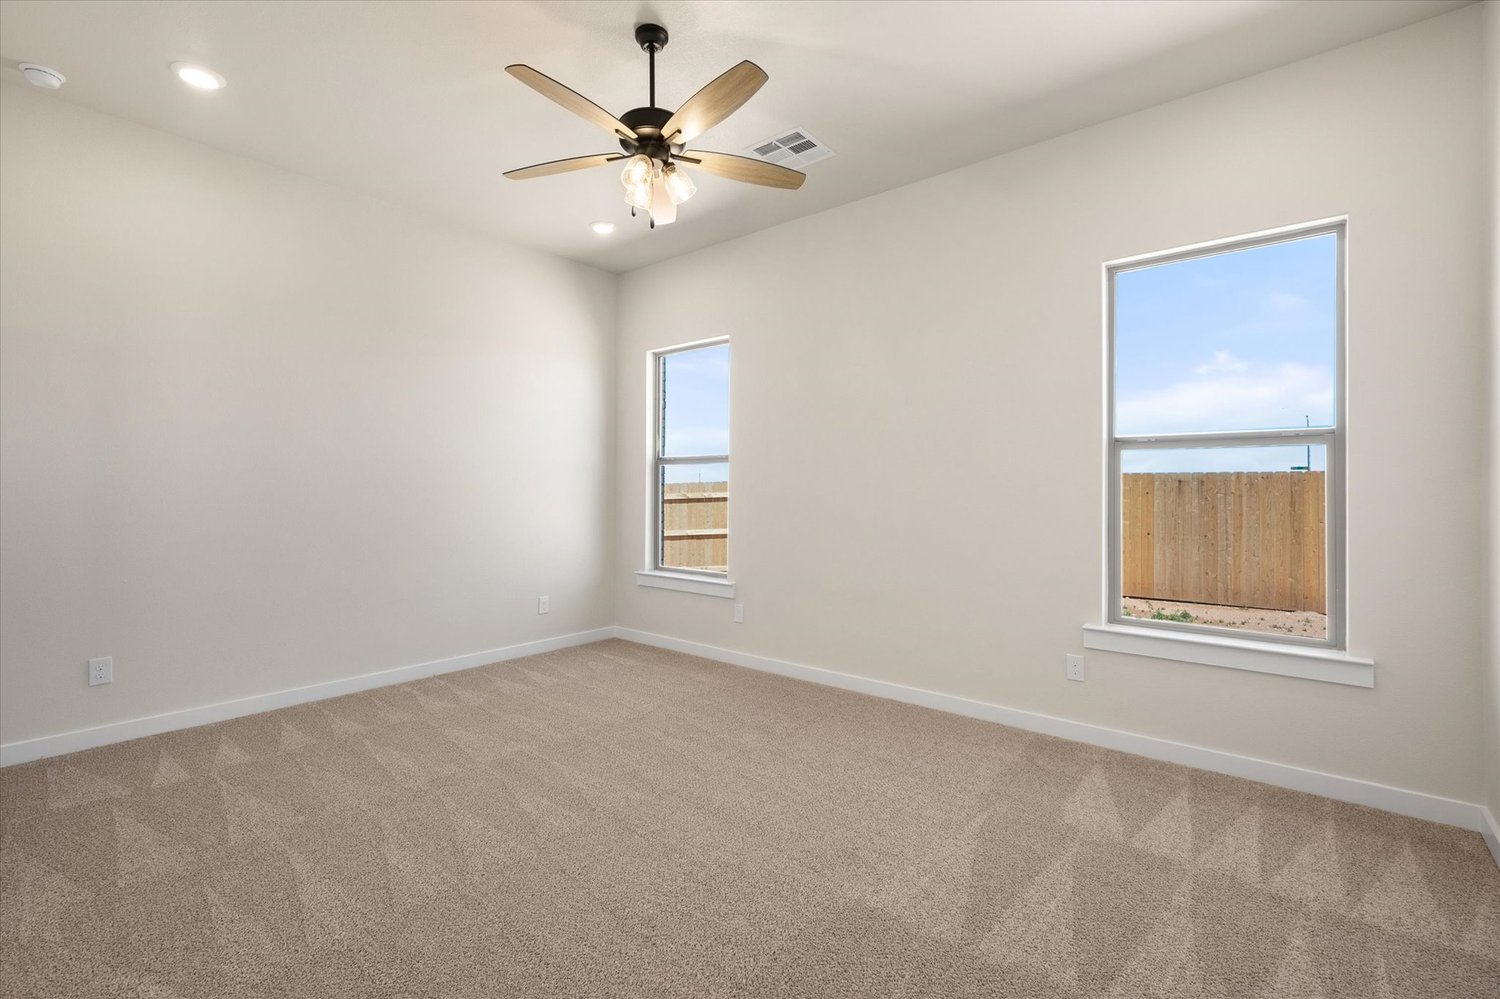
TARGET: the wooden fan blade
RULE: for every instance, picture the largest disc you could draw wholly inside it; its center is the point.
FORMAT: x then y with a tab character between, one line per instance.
715	102
570	99
743	168
563	166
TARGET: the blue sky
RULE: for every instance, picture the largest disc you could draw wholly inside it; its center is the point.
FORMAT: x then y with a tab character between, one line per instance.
1234	341
695	386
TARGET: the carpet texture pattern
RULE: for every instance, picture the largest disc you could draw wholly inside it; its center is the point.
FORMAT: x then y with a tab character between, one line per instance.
615	820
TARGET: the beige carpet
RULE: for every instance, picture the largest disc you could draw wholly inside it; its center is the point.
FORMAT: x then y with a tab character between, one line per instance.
615	820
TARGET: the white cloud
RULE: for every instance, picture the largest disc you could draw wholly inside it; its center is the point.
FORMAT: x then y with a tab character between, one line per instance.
1229	394
1223	363
1284	302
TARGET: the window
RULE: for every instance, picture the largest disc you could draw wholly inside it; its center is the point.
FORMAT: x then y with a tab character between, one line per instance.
690	522
1226	435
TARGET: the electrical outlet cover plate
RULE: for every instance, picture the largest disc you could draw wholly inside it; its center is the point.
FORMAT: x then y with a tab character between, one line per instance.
1074	666
101	671
543	605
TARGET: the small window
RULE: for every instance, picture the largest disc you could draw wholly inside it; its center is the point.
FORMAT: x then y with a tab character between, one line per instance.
1226	434
691	519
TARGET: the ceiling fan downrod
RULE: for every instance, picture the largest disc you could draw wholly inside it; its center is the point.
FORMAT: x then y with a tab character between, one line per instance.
652	38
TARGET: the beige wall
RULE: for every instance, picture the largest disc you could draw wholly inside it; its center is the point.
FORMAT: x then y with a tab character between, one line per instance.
949	333
261	433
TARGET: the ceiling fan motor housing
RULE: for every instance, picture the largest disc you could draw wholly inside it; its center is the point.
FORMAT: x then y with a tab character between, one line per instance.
647	124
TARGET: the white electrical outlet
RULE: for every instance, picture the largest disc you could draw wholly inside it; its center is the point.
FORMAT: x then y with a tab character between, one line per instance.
101	671
543	604
739	613
1074	667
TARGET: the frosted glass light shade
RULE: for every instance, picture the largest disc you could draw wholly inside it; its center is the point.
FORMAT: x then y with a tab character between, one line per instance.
663	209
679	185
639	195
638	169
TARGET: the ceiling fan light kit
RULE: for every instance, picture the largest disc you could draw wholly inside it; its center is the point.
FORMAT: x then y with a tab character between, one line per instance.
653	141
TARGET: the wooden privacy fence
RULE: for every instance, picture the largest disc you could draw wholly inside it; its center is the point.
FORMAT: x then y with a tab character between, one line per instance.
695	525
1242	539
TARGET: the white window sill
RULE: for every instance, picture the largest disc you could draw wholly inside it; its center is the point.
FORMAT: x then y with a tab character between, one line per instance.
685	582
1308	663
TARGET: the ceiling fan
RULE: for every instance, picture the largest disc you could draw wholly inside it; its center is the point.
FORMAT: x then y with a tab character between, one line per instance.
654	141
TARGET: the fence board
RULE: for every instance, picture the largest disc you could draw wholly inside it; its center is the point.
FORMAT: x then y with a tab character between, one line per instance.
695	525
1242	539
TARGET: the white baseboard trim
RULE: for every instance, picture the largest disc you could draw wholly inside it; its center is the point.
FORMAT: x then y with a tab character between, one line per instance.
1490	830
25	750
1360	792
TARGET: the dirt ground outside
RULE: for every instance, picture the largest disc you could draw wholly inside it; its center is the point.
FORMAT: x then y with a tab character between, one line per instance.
1306	623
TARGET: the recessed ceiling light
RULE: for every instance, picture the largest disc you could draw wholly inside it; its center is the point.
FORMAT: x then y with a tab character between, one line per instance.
42	76
602	228
198	76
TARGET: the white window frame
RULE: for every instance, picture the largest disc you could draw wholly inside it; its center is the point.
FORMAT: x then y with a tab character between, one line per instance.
1314	658
656	574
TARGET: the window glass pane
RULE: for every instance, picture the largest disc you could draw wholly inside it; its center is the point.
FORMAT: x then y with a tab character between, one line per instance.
1229	537
1245	340
695	401
695	517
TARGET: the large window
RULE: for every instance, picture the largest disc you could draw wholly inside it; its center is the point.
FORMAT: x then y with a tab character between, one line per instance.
691	508
1226	425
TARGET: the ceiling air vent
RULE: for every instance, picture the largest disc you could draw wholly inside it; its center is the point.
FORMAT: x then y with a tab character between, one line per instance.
796	148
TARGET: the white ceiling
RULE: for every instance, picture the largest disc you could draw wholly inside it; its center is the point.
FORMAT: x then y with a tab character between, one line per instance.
409	101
